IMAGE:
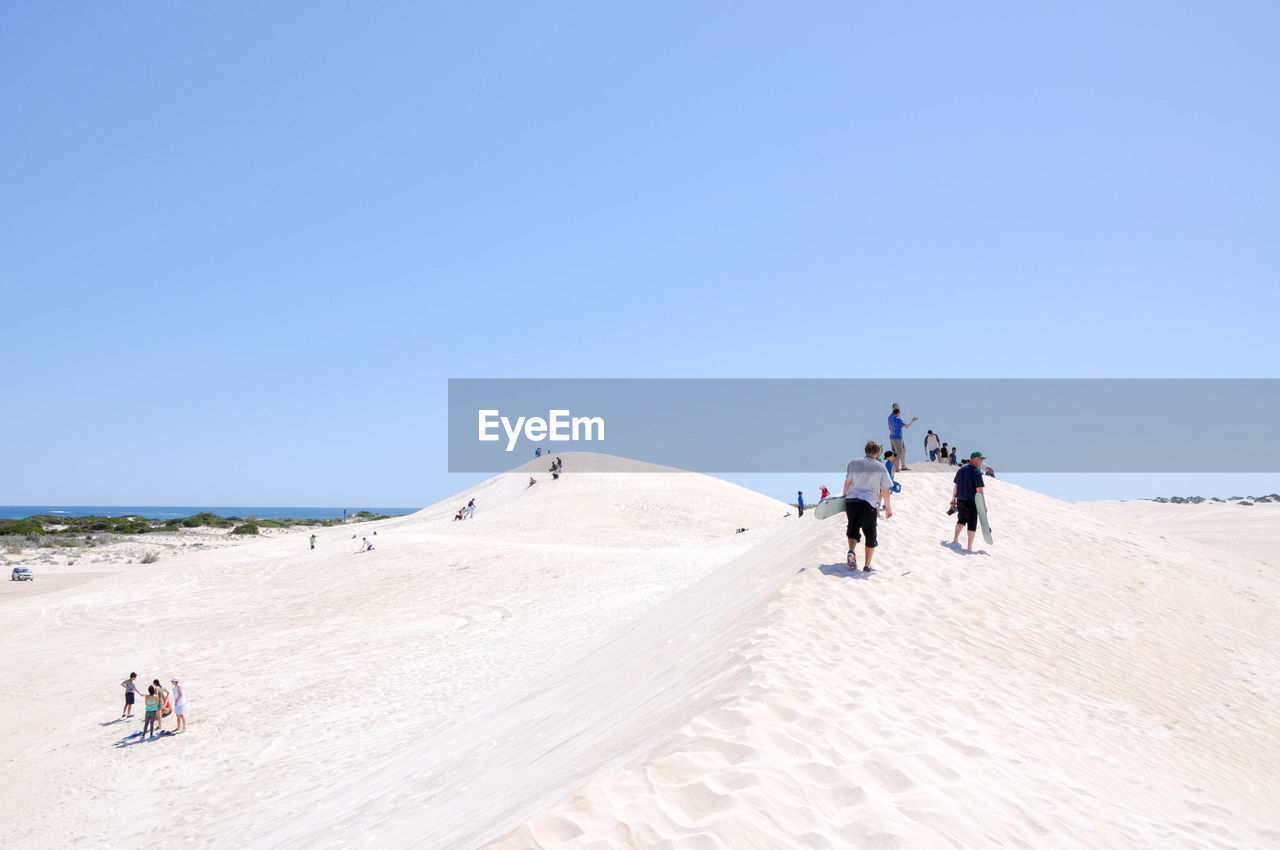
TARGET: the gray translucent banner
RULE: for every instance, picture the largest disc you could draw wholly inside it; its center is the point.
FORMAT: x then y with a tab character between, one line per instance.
788	425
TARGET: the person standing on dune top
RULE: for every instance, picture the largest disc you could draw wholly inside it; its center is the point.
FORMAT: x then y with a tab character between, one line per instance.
931	445
895	437
866	482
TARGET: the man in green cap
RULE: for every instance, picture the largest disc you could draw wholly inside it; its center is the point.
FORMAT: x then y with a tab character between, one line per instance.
968	482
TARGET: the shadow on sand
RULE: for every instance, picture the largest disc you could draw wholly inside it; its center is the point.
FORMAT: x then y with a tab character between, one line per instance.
959	549
842	571
137	738
134	738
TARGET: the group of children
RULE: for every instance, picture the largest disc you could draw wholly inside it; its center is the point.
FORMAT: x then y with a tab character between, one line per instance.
938	451
556	466
157	705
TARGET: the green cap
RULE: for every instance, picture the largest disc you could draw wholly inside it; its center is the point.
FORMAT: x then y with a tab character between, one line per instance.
977	454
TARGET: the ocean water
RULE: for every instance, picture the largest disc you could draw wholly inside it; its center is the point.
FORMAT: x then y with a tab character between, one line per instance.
178	511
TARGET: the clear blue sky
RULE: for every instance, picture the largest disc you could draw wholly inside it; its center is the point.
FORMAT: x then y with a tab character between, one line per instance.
244	246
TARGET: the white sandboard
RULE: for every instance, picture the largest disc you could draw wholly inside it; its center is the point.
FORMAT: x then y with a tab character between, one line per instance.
982	517
829	507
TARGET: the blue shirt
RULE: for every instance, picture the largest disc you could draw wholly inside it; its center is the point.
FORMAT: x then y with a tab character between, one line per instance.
895	426
967	481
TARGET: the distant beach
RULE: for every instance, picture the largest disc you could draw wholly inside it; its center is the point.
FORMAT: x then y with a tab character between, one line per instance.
179	511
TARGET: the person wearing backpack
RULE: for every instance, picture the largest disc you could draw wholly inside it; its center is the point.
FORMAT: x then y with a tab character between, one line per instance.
931	445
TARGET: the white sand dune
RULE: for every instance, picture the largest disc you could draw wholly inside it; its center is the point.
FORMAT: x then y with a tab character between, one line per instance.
600	661
1252	530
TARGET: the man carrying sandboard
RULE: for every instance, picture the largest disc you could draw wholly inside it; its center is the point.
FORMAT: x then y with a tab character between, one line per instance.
967	497
829	506
865	483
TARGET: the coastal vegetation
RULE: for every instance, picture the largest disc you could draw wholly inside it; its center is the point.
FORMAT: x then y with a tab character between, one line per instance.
1195	500
87	526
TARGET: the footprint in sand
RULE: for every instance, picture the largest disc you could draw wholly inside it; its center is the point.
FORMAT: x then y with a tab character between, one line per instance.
972	752
889	777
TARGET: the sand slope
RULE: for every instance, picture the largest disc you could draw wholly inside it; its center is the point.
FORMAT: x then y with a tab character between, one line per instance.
328	689
1077	685
1251	530
601	662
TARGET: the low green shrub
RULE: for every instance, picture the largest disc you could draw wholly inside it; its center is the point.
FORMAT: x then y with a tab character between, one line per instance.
30	525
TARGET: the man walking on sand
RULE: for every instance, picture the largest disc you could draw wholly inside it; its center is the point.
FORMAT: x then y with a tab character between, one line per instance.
968	482
895	437
865	483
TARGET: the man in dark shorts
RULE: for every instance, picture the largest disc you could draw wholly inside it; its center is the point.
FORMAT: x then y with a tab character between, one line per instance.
130	686
968	482
865	483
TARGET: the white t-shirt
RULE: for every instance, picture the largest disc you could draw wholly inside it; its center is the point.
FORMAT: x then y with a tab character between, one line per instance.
867	477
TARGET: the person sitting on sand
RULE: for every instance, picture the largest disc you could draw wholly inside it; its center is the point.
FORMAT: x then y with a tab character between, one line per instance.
532	481
166	707
460	514
366	545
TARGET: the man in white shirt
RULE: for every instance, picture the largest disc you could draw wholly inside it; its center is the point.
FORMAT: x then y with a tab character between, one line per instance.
866	483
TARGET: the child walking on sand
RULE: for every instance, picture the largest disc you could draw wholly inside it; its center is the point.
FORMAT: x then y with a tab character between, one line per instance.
130	688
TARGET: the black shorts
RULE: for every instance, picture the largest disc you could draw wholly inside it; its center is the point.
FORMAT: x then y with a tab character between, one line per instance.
968	514
862	521
128	697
